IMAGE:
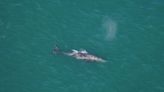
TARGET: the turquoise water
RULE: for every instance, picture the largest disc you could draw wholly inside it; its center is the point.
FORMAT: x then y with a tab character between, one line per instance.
128	34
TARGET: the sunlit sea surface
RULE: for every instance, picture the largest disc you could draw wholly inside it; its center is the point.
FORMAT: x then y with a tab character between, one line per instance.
129	34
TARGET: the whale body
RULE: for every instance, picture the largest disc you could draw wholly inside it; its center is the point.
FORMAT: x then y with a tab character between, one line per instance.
81	55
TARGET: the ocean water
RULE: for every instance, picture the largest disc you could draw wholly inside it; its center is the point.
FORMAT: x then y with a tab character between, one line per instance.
129	34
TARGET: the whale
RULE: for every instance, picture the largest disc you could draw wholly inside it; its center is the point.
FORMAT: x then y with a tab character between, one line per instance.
79	55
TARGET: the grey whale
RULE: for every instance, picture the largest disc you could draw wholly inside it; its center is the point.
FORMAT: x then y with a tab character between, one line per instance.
80	55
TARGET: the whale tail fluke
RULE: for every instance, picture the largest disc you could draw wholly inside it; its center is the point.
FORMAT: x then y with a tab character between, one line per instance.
56	50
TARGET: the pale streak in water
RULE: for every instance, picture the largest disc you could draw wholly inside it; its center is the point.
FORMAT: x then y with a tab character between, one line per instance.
110	27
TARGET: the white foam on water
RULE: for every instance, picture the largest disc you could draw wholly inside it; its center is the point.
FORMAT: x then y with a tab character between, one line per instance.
110	27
